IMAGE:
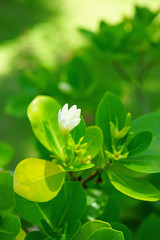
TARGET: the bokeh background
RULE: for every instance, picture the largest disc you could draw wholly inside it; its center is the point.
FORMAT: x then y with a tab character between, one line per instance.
42	45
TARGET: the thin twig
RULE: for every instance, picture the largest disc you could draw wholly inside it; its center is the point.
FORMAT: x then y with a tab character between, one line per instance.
87	179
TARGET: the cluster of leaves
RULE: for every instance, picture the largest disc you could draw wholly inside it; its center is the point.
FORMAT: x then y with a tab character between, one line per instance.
117	54
49	193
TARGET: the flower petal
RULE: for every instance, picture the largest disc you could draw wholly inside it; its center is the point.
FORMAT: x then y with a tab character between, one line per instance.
72	109
73	123
65	110
75	114
59	115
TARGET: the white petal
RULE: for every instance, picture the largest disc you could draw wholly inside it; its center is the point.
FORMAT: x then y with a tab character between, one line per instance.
62	124
72	109
75	114
73	123
65	110
59	115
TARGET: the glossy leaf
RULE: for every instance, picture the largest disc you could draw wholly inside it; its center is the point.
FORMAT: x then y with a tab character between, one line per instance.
21	235
34	212
6	154
79	167
69	205
149	122
139	143
43	115
10	227
68	230
79	131
94	140
146	164
124	180
120	227
33	177
89	227
106	233
6	192
110	109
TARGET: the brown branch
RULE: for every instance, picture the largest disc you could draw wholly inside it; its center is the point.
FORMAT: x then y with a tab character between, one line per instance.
87	179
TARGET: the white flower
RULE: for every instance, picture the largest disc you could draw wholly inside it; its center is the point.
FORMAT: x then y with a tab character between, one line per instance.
68	118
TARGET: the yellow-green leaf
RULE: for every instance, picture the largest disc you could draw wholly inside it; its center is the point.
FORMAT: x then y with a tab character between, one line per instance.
38	180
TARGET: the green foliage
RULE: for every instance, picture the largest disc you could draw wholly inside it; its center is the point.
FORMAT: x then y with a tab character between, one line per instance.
149	228
33	177
6	193
9	227
42	113
88	228
6	154
71	192
110	110
105	233
139	143
128	183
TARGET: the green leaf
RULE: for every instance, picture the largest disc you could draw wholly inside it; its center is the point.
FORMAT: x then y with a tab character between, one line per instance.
6	154
10	227
33	212
79	167
43	115
109	110
21	235
79	131
69	205
106	233
33	177
149	122
89	227
145	164
123	180
139	143
120	227
94	140
6	193
37	235
69	230
149	229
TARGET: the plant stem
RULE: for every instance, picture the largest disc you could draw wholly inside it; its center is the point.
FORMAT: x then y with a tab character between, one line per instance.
87	179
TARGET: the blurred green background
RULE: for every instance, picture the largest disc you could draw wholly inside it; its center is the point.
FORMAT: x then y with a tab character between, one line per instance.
75	51
38	40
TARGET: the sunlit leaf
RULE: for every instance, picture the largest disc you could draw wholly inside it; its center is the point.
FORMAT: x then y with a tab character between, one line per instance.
89	227
106	233
110	110
143	163
38	180
43	115
123	180
94	139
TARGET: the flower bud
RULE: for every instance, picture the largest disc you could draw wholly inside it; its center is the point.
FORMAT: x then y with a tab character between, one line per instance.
68	118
